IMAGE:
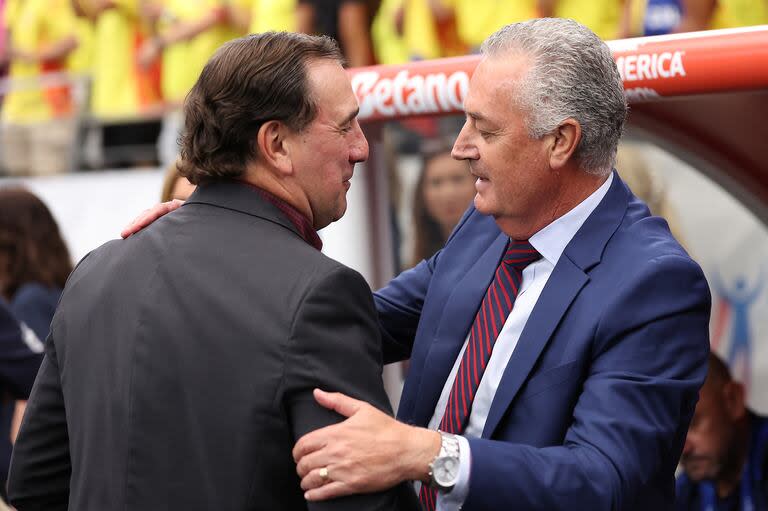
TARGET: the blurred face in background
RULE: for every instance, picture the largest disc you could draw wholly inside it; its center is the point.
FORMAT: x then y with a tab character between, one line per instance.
448	190
711	445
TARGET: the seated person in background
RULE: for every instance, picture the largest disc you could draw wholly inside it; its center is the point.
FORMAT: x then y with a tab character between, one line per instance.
18	367
34	266
444	191
725	456
36	262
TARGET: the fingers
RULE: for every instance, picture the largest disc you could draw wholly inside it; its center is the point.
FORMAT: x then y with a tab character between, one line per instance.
338	402
150	215
311	442
329	491
312	461
314	479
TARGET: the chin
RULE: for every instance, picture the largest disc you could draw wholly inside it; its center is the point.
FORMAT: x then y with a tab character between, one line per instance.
482	206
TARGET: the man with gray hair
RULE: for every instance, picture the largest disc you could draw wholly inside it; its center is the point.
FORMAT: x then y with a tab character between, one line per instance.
559	339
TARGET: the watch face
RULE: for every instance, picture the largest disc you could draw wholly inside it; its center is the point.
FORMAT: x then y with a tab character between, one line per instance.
446	471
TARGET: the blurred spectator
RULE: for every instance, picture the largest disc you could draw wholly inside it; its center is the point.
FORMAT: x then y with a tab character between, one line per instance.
266	15
477	19
36	261
347	21
444	191
80	60
125	97
711	14
121	88
724	458
186	35
603	17
34	266
175	186
415	30
661	16
38	128
18	367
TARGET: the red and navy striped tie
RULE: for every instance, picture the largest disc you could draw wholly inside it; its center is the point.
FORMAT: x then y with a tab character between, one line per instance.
497	303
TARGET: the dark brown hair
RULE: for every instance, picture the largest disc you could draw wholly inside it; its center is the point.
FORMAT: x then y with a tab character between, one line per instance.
246	83
31	237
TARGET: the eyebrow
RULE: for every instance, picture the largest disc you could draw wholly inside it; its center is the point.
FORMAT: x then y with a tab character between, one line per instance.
350	116
476	116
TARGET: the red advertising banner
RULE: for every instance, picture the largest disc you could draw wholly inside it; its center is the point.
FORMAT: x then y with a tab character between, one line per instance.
651	67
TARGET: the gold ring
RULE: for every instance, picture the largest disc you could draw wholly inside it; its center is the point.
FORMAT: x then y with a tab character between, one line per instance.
323	473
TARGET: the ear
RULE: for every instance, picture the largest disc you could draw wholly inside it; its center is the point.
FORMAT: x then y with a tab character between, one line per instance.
565	139
734	399
271	141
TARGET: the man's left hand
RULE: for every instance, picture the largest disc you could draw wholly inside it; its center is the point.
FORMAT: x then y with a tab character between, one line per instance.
368	452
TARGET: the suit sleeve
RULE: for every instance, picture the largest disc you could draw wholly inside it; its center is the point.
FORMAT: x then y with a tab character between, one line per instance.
335	345
649	360
40	465
399	303
399	309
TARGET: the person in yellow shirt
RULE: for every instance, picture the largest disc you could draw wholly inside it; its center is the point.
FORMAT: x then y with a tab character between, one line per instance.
416	30
121	88
277	15
477	19
603	17
711	14
38	129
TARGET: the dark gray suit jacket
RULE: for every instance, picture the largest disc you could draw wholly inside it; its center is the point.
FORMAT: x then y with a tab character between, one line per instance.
181	363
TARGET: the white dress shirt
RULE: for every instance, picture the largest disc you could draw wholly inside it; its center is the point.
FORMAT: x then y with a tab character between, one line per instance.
550	242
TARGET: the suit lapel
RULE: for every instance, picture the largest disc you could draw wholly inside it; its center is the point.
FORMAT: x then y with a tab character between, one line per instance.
567	278
456	319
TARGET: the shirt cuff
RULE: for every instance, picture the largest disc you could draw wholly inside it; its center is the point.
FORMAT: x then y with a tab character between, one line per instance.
454	499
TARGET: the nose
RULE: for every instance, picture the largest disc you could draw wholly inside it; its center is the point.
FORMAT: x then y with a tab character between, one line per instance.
359	149
463	148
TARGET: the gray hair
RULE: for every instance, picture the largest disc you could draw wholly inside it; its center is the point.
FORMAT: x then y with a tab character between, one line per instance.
573	75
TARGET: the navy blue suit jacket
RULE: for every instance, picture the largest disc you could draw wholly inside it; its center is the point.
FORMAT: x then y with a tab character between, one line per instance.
594	404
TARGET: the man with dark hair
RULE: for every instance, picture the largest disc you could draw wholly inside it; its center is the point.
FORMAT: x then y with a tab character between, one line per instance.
726	451
181	362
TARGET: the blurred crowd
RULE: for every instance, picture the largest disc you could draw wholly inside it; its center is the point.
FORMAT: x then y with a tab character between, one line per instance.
125	66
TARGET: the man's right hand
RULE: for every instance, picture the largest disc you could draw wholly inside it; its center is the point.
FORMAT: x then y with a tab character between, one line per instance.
150	215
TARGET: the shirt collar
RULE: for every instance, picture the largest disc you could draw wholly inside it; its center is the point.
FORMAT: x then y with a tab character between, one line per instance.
552	239
296	217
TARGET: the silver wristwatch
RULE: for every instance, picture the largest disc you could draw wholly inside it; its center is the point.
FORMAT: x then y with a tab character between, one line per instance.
444	469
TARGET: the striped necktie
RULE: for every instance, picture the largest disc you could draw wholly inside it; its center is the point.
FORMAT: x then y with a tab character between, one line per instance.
494	309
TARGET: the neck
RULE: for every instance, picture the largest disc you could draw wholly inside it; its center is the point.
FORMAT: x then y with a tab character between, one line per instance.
565	195
730	476
283	188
